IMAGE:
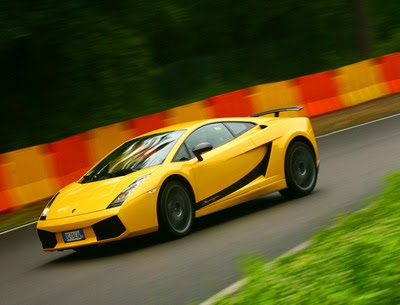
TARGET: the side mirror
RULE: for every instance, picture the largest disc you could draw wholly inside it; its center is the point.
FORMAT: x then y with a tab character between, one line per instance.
200	149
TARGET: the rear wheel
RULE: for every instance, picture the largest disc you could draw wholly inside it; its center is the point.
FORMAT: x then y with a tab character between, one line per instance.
175	210
300	170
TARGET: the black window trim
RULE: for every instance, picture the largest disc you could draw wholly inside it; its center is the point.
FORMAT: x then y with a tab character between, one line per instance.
221	122
187	151
239	134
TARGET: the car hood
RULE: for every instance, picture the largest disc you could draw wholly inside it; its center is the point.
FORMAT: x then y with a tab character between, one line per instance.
77	199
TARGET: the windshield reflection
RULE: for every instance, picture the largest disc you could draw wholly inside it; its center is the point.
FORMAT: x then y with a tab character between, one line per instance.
134	155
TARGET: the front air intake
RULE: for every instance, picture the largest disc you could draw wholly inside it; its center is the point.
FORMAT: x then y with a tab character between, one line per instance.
48	239
108	228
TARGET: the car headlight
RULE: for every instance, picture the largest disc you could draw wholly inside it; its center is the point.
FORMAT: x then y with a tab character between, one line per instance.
126	192
47	208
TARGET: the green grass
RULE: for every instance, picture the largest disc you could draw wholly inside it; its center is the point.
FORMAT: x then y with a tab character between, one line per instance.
355	262
24	215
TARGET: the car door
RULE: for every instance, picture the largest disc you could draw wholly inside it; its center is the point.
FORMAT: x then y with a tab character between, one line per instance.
227	167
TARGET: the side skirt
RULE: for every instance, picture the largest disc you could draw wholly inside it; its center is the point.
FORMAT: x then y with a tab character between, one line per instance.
224	204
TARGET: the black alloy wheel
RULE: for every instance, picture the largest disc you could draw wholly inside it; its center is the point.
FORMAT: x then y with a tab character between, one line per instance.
175	210
300	170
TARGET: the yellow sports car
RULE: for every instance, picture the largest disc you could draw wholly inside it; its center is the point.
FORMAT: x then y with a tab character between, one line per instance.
164	179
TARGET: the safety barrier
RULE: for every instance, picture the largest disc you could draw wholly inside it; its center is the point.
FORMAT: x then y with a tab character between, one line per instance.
319	93
231	104
30	174
34	173
7	200
277	95
361	82
104	139
391	71
147	123
69	158
189	112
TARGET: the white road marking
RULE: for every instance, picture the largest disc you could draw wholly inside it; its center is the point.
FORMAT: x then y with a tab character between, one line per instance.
231	289
20	227
235	287
321	136
356	126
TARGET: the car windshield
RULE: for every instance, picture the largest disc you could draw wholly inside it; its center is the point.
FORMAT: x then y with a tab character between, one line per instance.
134	155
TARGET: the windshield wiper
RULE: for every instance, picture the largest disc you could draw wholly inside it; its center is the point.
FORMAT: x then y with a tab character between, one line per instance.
87	178
103	176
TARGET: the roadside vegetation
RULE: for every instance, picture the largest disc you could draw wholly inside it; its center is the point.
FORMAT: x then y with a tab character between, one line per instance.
355	262
74	65
22	215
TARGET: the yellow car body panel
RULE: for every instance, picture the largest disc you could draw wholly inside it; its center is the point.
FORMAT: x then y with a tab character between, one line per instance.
249	165
77	199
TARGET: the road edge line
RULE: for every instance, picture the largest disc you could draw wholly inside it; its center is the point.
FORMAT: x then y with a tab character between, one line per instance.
17	228
236	286
356	126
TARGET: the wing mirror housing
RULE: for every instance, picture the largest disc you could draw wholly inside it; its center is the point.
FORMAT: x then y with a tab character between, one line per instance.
200	149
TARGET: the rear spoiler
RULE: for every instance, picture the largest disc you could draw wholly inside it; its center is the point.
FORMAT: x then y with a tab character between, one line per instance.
277	111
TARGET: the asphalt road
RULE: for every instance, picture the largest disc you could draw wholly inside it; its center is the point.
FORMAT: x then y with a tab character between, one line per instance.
146	270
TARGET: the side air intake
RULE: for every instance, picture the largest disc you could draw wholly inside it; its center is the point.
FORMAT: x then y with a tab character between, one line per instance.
48	239
108	228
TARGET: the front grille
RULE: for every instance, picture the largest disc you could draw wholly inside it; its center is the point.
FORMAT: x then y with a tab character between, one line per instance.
48	239
108	228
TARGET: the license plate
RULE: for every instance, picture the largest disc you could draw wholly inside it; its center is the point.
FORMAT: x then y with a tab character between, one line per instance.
73	235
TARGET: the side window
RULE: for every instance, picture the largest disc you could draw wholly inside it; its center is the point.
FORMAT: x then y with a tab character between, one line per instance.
182	154
238	128
216	134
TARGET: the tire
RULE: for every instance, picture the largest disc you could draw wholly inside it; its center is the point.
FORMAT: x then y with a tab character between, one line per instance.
175	210
300	170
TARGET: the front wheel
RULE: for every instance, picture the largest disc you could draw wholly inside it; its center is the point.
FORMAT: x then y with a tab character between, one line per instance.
175	210
300	170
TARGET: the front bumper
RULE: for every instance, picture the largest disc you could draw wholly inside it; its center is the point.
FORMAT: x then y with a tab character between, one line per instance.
131	219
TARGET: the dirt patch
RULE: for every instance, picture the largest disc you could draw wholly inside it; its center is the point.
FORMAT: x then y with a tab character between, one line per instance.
22	215
355	115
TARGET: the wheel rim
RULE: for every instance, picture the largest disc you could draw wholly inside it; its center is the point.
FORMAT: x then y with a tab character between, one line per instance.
302	168
178	209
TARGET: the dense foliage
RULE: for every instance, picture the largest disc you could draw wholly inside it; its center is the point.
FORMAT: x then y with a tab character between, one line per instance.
355	262
73	65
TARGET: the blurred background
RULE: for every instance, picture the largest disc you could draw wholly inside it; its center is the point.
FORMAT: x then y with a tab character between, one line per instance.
75	65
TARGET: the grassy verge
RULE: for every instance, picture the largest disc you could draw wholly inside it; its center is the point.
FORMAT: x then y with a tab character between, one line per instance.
22	216
355	262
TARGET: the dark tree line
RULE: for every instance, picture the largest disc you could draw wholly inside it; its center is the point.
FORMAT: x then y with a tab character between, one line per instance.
73	65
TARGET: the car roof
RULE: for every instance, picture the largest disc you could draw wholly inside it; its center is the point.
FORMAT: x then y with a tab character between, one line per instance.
192	125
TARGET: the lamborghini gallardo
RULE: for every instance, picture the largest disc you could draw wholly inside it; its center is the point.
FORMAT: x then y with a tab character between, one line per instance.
164	179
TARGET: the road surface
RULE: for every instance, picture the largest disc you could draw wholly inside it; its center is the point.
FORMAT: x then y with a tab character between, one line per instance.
146	270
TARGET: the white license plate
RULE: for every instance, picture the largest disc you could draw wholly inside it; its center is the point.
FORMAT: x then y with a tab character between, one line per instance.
73	235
